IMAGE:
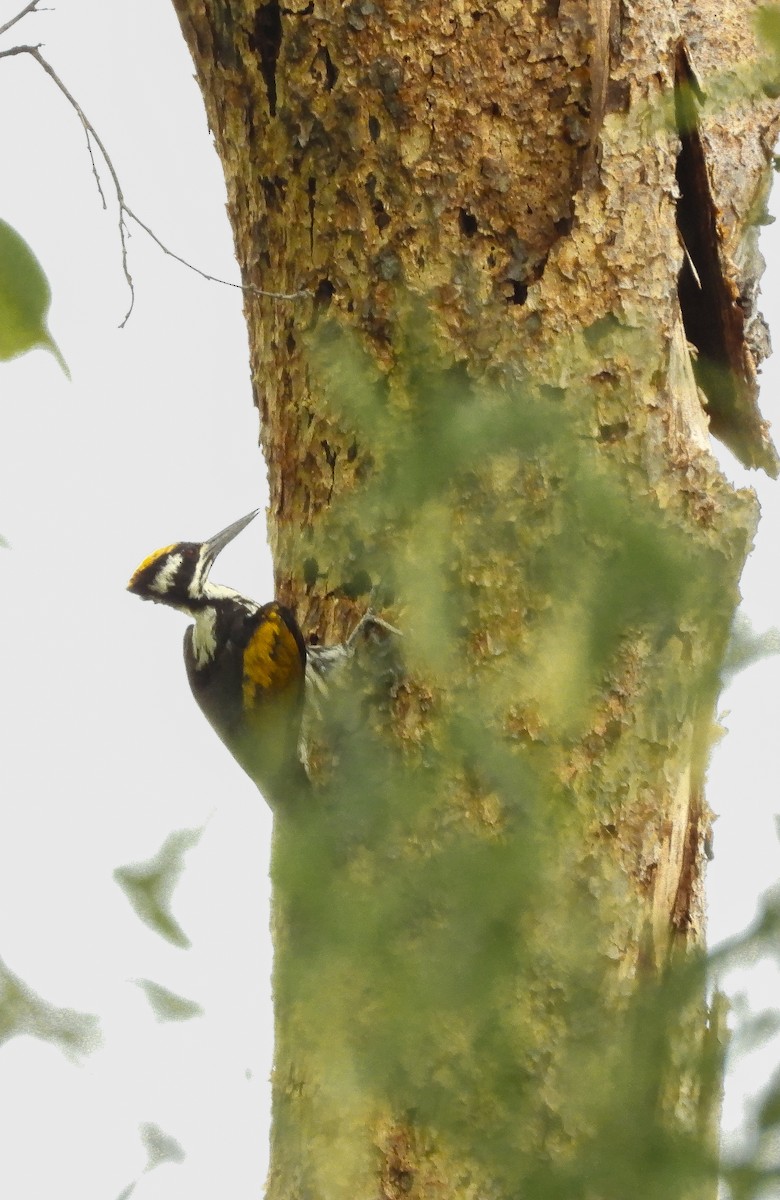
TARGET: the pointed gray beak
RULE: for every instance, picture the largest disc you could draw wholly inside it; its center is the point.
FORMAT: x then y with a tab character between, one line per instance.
214	545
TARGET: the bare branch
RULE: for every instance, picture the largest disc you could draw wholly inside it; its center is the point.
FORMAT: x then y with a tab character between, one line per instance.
124	209
90	131
28	8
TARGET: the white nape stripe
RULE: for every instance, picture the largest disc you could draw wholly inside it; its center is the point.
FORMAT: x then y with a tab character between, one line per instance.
204	642
163	580
204	632
215	591
198	584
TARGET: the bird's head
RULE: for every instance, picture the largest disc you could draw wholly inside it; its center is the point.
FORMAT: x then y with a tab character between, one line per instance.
178	575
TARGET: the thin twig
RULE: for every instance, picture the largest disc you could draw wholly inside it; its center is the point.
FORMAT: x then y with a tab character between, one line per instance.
690	261
28	8
244	287
95	172
124	209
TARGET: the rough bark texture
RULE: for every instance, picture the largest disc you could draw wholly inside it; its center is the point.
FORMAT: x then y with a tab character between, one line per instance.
529	169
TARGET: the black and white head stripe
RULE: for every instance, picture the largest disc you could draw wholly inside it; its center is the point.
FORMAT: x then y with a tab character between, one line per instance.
178	574
169	575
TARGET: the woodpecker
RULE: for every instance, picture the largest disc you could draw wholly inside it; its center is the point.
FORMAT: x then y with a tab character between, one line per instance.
247	663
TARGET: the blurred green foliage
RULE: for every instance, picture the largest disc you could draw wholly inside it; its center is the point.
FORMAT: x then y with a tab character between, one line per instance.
22	1012
166	1005
768	27
445	907
149	886
160	1146
430	530
747	647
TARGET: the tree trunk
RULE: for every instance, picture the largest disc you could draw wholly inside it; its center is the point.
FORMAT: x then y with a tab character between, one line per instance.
525	238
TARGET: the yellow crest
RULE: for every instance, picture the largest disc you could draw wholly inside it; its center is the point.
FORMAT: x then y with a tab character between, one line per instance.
151	558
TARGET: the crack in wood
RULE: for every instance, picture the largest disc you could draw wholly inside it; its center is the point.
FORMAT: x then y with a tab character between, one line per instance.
710	303
266	42
311	190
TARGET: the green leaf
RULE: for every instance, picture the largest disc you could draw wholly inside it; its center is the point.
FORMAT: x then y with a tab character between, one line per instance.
25	296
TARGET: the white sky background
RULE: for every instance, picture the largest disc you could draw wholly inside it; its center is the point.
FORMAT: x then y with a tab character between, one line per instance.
155	441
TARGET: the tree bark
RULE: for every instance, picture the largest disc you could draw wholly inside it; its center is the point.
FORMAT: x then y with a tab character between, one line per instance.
573	190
